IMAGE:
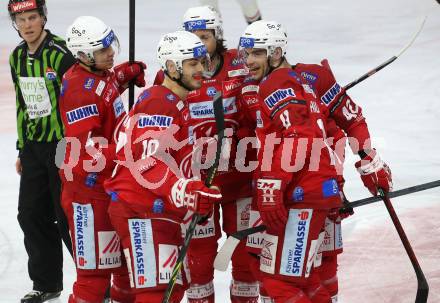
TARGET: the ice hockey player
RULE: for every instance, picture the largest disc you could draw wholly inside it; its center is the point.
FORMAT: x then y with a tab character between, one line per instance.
342	114
249	8
225	74
149	195
92	111
37	66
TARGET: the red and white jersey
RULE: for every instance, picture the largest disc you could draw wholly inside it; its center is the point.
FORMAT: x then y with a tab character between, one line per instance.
302	158
228	80
343	113
91	108
201	123
147	153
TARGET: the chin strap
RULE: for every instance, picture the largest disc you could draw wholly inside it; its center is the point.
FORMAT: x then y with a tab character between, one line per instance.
178	80
272	68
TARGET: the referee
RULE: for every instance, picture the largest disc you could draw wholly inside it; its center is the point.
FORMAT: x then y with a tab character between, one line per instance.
37	67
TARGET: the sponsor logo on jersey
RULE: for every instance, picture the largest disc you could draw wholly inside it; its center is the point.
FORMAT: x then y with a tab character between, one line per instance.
237	72
331	94
158	206
144	257
203	110
154	120
193	25
23	6
295	242
118	107
109	250
231	85
211	91
250	88
250	100
308	89
88	84
298	194
51	74
237	61
311	78
84	236
82	113
278	96
330	188
180	105
100	87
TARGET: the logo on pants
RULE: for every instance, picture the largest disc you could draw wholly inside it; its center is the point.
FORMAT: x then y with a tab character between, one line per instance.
109	250
167	260
295	242
84	236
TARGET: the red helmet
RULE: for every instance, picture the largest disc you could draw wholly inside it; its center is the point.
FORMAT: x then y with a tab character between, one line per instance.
19	6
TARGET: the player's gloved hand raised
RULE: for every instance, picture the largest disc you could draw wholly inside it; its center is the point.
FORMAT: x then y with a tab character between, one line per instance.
133	71
374	172
194	195
271	204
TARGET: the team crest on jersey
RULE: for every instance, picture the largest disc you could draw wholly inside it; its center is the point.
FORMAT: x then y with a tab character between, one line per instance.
88	84
311	78
330	188
278	96
171	97
211	91
331	94
118	107
295	76
51	74
82	113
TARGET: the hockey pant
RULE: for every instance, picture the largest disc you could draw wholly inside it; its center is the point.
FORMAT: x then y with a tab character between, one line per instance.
287	260
151	247
203	249
97	251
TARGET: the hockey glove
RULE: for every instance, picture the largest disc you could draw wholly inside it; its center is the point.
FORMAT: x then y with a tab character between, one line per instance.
374	173
127	72
194	195
271	205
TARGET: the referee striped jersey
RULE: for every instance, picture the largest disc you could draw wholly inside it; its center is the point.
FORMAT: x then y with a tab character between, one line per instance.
37	79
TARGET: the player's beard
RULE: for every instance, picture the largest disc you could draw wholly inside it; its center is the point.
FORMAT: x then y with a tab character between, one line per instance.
193	81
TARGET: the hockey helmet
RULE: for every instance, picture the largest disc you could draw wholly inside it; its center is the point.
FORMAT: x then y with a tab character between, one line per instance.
20	6
203	17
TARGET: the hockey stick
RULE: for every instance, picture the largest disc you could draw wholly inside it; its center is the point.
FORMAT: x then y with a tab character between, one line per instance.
224	255
131	41
220	124
389	61
422	284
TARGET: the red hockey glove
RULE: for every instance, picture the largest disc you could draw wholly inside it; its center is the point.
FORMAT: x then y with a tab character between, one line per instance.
127	72
194	195
375	173
271	205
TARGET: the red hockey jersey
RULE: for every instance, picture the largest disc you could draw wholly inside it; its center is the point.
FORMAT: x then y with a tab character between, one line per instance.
92	110
294	127
147	162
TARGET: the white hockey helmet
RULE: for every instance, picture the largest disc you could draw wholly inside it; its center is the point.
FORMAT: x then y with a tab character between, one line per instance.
88	34
203	17
179	46
267	35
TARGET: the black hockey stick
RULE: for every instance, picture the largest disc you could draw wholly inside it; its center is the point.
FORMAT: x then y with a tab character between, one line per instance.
422	284
220	124
389	61
225	253
131	41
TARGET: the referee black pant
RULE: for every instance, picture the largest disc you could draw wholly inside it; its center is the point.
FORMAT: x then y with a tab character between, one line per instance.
41	217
